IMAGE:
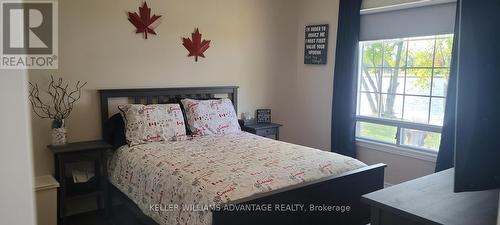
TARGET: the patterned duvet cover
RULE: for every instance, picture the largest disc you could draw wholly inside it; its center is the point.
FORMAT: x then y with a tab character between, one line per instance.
175	182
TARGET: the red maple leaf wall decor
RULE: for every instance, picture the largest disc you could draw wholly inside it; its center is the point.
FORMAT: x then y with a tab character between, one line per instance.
144	22
196	47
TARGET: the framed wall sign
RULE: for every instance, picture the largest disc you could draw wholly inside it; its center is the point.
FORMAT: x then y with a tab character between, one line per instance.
263	115
316	44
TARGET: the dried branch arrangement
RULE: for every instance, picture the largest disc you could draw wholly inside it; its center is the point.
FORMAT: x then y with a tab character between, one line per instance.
61	100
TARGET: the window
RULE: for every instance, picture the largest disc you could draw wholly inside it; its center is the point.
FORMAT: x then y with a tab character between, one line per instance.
402	90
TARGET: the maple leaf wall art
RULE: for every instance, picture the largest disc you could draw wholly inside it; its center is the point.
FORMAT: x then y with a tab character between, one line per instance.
144	22
195	45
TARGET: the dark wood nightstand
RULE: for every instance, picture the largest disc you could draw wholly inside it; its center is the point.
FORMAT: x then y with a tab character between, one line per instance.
269	130
90	151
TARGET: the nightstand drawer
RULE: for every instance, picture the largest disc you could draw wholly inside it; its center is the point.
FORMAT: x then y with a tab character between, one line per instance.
265	132
269	130
272	136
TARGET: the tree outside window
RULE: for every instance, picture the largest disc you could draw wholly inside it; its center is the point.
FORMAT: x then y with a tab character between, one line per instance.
404	80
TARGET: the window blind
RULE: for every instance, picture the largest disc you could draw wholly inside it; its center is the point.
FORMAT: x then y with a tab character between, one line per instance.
401	21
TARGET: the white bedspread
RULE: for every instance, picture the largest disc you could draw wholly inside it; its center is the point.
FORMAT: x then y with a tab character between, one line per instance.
169	179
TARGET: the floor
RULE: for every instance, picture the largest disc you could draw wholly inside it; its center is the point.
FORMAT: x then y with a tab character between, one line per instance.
90	218
94	218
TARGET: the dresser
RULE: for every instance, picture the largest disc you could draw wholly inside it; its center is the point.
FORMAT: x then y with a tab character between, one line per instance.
430	200
46	200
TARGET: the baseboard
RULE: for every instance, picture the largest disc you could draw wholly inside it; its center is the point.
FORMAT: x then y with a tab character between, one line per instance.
386	185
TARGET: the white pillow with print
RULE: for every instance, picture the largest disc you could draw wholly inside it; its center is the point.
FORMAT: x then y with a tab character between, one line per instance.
215	116
152	123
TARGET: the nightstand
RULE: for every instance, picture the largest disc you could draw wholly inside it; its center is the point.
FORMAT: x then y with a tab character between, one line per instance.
90	151
269	130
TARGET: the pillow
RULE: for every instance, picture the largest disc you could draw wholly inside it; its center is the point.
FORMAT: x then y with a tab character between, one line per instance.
152	123
178	100
116	129
215	116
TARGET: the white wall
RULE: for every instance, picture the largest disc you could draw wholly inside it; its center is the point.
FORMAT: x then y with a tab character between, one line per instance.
253	46
311	100
16	166
402	165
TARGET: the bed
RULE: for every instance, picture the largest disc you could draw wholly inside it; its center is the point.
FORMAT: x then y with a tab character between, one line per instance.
233	179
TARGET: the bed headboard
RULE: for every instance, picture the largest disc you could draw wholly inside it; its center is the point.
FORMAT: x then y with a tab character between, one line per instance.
162	96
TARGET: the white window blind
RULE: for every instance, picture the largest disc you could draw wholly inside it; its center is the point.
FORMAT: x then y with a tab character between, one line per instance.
423	18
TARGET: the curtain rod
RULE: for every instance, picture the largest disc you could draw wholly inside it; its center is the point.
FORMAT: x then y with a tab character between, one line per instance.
404	6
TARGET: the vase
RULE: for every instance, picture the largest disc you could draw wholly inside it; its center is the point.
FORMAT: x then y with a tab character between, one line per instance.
58	132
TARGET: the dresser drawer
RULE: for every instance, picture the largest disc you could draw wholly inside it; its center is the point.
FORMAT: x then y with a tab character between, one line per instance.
266	131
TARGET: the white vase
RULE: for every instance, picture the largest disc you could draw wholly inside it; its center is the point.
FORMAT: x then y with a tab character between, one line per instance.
58	136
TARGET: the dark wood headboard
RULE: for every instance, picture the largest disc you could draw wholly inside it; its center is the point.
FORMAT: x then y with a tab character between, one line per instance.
161	96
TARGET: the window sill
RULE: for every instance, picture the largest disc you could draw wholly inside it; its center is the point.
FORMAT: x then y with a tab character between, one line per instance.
397	150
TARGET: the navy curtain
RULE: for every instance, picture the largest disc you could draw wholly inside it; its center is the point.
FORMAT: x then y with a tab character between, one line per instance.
447	148
345	79
477	142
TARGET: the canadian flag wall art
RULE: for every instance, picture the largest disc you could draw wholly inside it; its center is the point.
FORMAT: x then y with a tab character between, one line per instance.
144	22
195	45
